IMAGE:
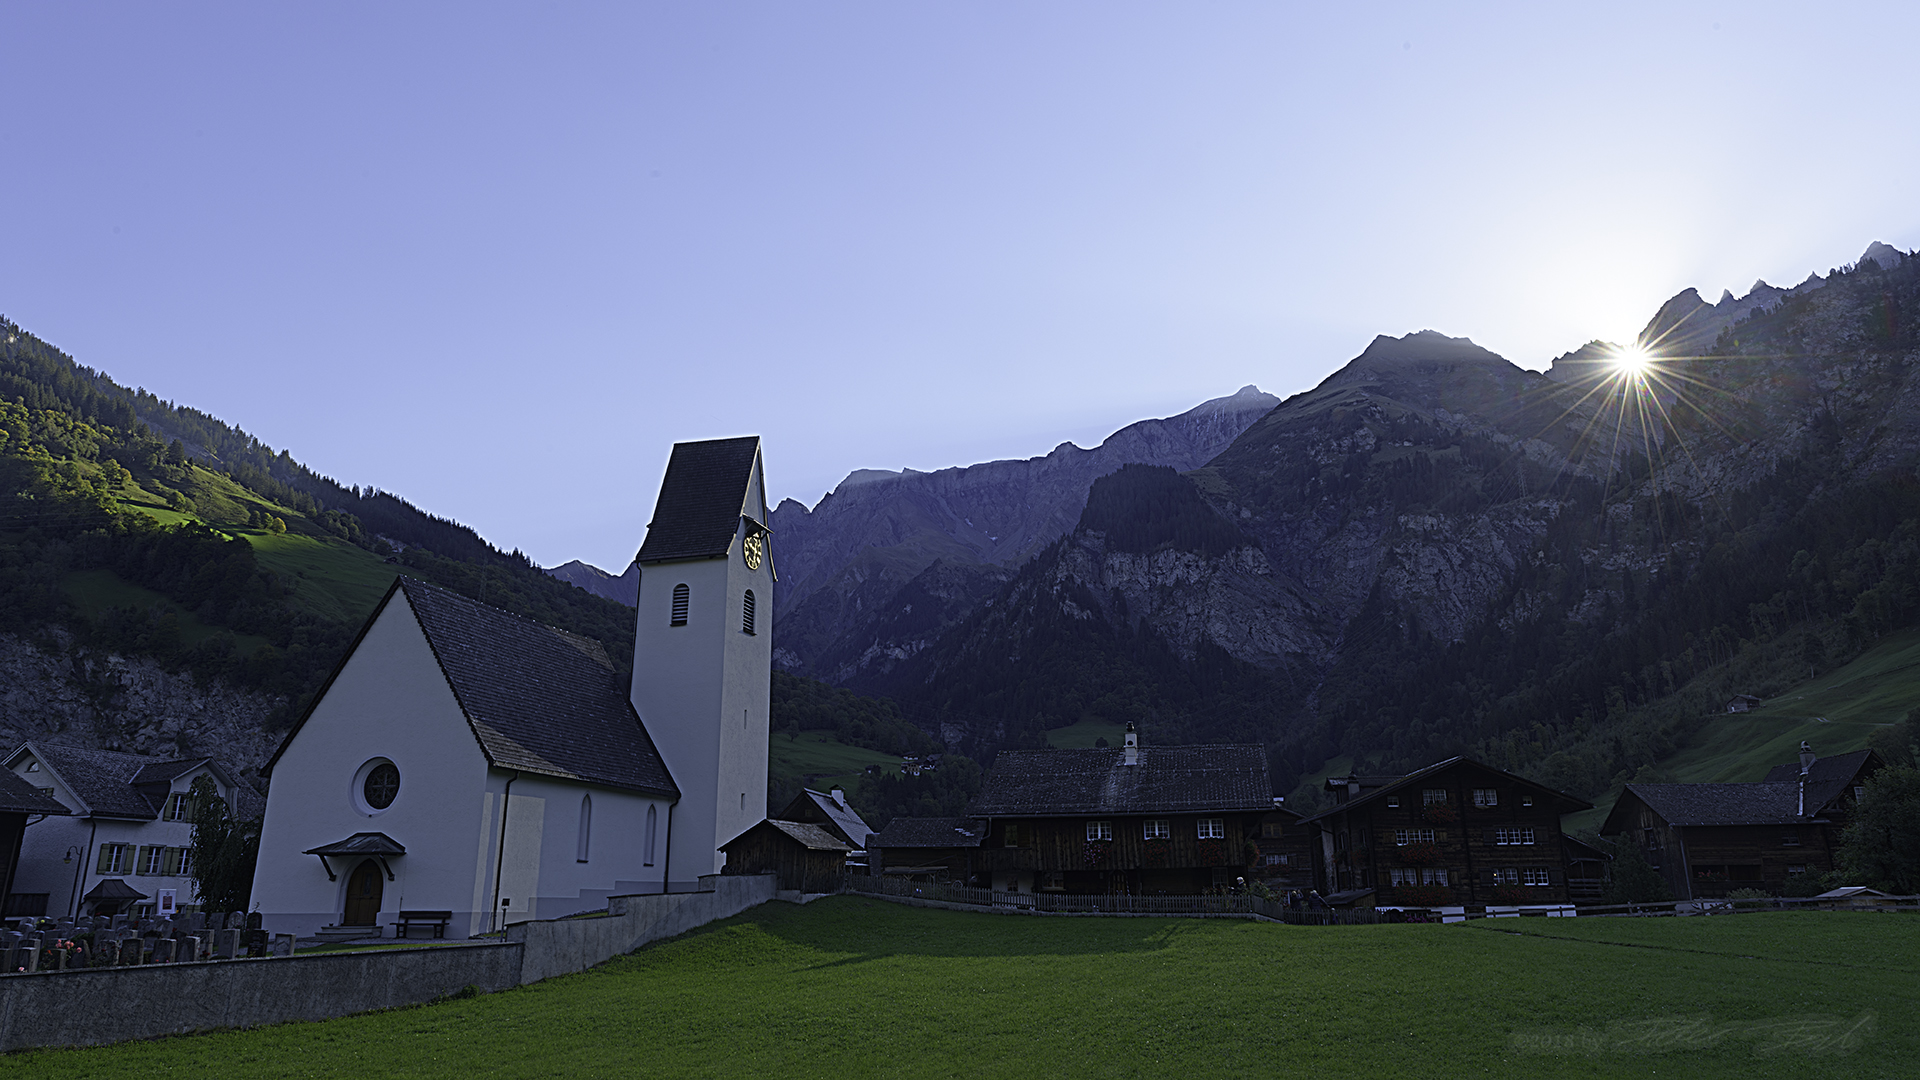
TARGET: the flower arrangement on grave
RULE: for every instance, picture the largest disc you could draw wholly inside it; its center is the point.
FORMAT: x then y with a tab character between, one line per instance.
1440	813
1420	854
1422	895
1213	852
1096	853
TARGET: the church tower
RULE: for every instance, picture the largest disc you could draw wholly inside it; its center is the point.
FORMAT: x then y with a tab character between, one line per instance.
703	646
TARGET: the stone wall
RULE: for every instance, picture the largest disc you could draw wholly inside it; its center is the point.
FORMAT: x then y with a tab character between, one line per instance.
106	1005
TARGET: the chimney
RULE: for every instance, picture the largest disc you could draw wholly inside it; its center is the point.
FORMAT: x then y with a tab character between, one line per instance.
1806	758
1133	745
839	796
1353	786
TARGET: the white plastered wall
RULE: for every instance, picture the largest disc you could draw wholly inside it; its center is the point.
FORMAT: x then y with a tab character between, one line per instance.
541	876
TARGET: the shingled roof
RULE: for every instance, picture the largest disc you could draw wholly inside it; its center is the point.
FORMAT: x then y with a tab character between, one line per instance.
1766	803
539	699
701	500
19	797
930	832
1828	778
1168	780
818	807
109	783
1372	788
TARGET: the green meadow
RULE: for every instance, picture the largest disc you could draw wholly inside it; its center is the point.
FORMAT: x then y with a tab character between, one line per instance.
822	761
854	987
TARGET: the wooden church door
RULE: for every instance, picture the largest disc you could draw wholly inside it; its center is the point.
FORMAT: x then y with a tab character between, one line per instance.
363	895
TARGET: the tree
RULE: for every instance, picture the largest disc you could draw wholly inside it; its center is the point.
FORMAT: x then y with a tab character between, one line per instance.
1881	847
224	849
1635	880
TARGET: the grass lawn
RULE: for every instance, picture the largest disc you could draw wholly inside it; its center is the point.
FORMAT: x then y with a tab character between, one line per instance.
852	987
822	760
330	577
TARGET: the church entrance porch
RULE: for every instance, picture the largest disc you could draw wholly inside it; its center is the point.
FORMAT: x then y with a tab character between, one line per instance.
363	895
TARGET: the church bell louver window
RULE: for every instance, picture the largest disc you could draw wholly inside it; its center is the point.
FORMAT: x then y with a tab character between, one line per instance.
746	613
680	593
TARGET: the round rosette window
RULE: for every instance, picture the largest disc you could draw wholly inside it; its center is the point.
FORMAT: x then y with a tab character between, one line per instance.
376	786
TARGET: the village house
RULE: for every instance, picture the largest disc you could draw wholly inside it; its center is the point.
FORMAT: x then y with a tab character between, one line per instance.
806	858
1175	820
1454	834
481	768
941	850
121	840
1707	840
21	804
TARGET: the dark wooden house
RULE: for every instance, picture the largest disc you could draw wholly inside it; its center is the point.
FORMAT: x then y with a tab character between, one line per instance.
927	849
1456	833
1710	839
806	857
1174	820
831	811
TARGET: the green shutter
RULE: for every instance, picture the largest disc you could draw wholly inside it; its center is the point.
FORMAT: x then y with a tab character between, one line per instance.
106	852
140	860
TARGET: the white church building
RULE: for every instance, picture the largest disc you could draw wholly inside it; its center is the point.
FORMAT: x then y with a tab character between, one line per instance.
468	760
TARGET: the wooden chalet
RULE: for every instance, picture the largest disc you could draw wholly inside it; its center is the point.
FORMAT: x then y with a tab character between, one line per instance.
1707	840
927	849
806	857
1457	832
1174	820
831	811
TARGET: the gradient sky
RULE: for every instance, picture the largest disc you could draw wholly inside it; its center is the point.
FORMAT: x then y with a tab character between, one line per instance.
497	258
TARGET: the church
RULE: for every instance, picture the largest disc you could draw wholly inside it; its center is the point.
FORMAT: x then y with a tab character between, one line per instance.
487	768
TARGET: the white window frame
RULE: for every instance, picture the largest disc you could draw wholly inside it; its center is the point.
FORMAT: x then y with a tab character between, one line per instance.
1404	837
1432	795
1099	830
153	862
1433	876
179	806
1535	876
1157	829
1517	835
1484	797
1212	828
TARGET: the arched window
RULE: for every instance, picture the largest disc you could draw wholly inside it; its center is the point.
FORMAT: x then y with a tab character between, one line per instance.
746	613
679	605
653	820
586	826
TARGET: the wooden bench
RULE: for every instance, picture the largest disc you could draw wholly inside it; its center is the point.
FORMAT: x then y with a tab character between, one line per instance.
408	919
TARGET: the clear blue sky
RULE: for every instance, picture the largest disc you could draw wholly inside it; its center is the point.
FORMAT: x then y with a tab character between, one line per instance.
498	258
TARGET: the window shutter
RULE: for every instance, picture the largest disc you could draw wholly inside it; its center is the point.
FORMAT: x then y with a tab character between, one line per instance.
746	613
140	859
680	597
106	860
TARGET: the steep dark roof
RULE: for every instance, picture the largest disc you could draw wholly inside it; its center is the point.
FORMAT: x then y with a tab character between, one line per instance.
817	807
930	832
1568	802
1775	803
101	779
1828	778
1168	780
114	888
164	772
19	797
361	843
539	699
701	499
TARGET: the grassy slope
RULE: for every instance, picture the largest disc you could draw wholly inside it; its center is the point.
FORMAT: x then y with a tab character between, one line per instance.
822	761
1081	735
851	987
94	591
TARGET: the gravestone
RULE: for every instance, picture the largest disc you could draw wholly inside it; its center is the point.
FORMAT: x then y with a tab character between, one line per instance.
236	920
163	950
190	948
226	944
282	945
130	950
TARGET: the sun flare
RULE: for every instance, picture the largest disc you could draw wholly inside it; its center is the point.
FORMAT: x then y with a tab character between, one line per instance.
1632	362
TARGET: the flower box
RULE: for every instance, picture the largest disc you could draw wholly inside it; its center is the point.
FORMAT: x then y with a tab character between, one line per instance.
1420	854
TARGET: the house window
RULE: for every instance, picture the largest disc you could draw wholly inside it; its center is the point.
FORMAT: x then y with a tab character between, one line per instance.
1213	828
1013	834
1799	869
1276	860
680	594
1534	877
1429	796
1393	801
1270	830
746	613
152	860
1859	792
653	819
1419	877
114	859
1158	829
1790	839
177	863
1506	875
179	806
1484	797
586	828
1099	830
1513	836
1526	800
1433	877
1403	837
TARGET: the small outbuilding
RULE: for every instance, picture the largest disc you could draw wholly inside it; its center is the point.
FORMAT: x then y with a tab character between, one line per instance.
806	857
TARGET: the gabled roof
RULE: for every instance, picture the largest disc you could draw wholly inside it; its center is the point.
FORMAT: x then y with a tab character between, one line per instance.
1168	780
701	500
818	808
930	832
812	837
114	888
361	843
1828	778
19	797
538	699
1418	776
108	783
1775	803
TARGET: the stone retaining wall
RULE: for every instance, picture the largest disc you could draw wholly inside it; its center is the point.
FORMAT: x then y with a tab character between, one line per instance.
94	1006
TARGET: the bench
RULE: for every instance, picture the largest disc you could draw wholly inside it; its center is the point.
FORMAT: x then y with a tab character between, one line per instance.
437	919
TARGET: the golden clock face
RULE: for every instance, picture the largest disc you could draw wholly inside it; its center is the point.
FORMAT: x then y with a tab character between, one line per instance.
753	550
